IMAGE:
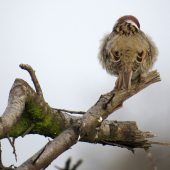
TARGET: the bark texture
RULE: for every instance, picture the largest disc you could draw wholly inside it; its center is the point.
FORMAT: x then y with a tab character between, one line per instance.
28	113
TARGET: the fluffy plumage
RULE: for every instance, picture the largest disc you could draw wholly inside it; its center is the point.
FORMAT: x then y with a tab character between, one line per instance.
127	52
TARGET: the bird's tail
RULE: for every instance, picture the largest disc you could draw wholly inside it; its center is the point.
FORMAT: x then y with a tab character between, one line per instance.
124	80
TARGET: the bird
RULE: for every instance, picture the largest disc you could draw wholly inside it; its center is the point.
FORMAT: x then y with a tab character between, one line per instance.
127	52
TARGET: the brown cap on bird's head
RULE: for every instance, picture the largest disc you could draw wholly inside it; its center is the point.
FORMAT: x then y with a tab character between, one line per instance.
129	18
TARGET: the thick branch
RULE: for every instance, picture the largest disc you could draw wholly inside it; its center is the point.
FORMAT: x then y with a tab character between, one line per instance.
112	101
85	126
26	108
116	133
26	114
16	104
53	149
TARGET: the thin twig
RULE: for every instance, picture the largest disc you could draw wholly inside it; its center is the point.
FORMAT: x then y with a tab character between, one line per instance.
159	143
1	165
148	135
34	79
70	111
12	144
28	130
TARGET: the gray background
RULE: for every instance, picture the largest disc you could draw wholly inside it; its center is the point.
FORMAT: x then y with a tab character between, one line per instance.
60	40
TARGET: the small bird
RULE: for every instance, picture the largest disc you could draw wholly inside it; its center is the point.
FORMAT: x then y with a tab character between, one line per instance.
127	52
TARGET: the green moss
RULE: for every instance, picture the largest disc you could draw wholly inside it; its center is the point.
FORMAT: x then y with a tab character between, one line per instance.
34	111
45	123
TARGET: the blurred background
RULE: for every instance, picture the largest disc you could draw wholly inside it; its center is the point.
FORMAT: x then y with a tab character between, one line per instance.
60	40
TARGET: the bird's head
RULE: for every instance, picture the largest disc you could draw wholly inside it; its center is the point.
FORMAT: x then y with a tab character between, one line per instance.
129	19
126	25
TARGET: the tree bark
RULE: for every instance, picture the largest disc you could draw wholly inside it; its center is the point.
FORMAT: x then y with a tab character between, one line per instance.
28	113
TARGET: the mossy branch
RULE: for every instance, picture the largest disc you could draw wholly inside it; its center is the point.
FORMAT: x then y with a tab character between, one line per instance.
30	108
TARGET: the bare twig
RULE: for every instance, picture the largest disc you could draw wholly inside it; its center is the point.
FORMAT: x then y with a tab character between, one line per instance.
12	144
70	111
28	130
1	165
34	79
148	135
159	143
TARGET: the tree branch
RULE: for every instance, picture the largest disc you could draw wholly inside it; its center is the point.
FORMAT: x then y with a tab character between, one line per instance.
70	111
16	104
13	145
100	111
53	149
1	164
34	79
26	108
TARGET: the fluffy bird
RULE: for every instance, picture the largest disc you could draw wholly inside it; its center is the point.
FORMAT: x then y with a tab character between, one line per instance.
127	52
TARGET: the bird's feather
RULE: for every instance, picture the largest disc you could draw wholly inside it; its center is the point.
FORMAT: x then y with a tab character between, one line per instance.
127	53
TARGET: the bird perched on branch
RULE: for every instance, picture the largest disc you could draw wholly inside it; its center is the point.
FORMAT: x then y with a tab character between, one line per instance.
127	52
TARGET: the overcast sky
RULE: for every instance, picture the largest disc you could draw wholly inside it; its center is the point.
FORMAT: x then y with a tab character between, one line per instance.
60	40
